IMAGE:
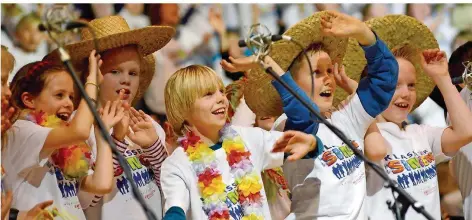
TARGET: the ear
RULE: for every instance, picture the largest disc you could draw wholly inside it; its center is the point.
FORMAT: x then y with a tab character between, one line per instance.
28	100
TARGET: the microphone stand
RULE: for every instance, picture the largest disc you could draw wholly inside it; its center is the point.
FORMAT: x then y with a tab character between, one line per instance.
403	201
65	58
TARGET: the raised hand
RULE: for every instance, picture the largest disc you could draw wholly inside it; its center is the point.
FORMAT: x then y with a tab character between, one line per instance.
434	63
143	133
121	129
95	62
112	113
216	20
337	24
242	64
342	80
296	143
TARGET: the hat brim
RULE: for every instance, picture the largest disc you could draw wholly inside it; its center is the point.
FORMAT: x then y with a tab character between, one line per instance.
260	95
396	30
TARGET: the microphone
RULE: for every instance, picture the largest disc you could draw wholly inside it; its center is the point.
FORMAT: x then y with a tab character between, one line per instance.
59	19
266	39
466	77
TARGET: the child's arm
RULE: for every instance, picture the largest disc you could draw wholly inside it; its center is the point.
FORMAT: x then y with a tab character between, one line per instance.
376	90
434	63
79	128
176	193
375	145
145	135
101	181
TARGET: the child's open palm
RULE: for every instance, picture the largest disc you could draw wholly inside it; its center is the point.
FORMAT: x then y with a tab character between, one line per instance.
298	144
143	133
112	113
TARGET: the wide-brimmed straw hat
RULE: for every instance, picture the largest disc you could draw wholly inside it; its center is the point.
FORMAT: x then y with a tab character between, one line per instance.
395	31
114	32
260	95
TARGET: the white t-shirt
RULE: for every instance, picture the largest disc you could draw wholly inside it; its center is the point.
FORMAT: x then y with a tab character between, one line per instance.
120	203
410	161
179	181
33	179
333	185
463	165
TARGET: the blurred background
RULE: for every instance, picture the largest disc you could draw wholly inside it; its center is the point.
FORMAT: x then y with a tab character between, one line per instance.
208	33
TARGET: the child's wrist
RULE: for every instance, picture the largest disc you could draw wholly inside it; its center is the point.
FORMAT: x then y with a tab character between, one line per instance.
366	37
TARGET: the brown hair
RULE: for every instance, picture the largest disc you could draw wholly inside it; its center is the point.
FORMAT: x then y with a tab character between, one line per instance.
8	61
313	48
32	78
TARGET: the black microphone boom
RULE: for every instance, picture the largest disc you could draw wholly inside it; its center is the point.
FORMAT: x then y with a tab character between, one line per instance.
457	80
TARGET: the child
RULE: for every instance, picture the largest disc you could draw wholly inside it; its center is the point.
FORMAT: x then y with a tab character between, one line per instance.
129	67
31	45
215	174
333	186
43	158
411	148
8	62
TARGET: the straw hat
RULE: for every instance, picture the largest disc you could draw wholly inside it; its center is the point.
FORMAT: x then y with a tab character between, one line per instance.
396	30
114	32
260	95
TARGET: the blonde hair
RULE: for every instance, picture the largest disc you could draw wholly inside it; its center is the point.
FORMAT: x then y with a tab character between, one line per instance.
182	90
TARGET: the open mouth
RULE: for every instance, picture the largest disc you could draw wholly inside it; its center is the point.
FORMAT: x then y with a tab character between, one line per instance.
127	92
326	93
402	105
220	111
63	116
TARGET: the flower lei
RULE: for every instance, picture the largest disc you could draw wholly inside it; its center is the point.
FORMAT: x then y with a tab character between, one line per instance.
74	160
210	180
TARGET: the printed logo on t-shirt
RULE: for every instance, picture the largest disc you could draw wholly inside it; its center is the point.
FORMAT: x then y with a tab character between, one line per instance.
68	187
411	169
232	201
142	176
341	160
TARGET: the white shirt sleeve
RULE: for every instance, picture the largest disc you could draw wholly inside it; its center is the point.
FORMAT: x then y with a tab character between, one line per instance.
176	192
25	142
352	114
261	143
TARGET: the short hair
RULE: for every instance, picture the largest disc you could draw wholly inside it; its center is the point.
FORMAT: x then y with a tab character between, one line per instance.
313	47
183	88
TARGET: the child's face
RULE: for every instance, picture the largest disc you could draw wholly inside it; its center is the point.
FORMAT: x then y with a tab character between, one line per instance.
57	96
324	80
209	112
120	69
265	123
405	94
5	88
29	37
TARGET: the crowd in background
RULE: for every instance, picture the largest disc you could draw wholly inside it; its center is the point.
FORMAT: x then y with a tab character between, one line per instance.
208	33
